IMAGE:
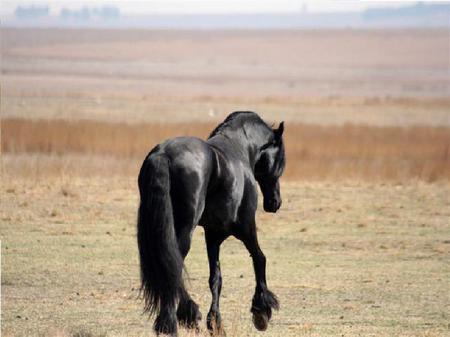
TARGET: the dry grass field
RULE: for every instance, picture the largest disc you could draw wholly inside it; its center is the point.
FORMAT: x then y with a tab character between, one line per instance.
314	152
361	246
353	259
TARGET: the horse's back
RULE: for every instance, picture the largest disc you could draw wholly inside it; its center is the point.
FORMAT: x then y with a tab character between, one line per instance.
187	155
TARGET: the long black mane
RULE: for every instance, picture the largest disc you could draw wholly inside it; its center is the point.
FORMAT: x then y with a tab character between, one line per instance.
236	120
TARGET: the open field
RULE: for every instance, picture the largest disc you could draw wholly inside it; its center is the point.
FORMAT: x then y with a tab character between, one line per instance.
344	258
313	152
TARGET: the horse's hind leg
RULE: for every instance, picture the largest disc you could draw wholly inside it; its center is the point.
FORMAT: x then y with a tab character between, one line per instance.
214	321
166	321
188	313
188	207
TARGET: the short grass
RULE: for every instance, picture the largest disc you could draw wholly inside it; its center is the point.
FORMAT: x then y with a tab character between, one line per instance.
345	259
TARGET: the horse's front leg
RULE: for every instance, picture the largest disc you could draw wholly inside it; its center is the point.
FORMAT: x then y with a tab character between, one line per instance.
213	320
264	300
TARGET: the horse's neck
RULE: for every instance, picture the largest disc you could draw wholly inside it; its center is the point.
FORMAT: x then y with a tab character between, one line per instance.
254	146
247	143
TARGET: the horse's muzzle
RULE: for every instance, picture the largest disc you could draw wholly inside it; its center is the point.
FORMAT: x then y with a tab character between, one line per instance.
272	206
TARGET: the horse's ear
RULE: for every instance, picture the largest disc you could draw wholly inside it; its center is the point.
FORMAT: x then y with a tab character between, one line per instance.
280	130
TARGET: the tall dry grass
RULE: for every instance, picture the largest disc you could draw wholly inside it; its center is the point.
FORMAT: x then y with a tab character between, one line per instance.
313	152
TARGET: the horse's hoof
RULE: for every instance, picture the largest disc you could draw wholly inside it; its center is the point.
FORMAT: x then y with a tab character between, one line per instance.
214	325
188	315
217	331
260	321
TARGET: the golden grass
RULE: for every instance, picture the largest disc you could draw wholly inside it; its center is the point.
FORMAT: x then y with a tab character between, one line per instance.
313	152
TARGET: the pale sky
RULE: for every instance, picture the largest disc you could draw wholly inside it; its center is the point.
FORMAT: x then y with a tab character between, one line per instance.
209	6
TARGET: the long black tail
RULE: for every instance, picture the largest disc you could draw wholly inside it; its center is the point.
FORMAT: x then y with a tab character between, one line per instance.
160	258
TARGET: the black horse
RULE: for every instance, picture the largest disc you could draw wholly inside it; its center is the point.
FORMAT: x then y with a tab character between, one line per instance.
186	181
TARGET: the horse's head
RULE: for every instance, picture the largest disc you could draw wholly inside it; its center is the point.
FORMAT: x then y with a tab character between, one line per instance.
269	168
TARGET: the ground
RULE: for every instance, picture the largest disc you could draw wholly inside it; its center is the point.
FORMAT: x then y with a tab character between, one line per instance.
352	259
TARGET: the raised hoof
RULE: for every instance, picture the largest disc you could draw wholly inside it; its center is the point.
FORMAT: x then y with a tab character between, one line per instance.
262	304
260	321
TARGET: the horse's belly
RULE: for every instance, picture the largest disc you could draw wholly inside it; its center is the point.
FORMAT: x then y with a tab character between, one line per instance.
221	210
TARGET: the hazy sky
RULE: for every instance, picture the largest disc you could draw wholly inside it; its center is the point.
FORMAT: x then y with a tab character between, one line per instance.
209	6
